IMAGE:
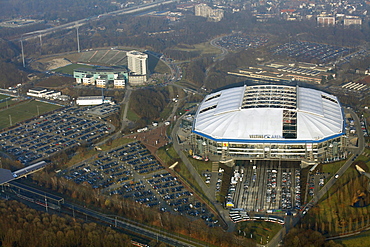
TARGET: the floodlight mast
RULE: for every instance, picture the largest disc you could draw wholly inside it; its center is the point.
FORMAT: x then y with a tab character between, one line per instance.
78	41
24	64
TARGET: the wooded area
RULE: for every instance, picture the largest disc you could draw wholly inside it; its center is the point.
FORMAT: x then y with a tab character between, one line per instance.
148	103
10	71
307	238
22	226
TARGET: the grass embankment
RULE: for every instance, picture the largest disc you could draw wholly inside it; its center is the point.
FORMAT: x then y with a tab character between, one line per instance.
132	116
201	166
161	68
169	156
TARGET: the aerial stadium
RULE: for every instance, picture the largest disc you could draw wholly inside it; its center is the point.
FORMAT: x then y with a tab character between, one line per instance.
270	122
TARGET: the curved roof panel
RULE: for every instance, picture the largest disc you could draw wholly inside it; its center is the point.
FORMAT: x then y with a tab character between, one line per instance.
269	111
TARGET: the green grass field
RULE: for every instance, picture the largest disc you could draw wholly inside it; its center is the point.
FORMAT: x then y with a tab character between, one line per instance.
204	48
132	116
261	231
69	68
23	111
162	68
8	102
332	168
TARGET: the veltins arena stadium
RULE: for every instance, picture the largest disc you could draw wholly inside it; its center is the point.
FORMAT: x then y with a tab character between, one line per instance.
272	122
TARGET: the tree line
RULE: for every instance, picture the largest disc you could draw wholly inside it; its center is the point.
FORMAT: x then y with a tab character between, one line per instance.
23	226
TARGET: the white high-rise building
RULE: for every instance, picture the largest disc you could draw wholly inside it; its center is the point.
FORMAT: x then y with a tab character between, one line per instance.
137	62
205	11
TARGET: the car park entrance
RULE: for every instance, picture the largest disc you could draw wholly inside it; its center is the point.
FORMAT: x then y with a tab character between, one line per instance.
266	186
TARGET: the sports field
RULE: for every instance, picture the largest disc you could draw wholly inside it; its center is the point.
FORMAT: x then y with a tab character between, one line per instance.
69	68
25	110
5	100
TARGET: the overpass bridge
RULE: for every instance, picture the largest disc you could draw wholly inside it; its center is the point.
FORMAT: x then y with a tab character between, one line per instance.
8	176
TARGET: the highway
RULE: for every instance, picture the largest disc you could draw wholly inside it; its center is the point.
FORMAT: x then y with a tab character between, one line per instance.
78	23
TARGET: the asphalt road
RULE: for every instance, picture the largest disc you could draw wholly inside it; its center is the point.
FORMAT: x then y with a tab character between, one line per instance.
292	221
224	51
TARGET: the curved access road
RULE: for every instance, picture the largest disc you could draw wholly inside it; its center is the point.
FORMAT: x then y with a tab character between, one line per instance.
224	51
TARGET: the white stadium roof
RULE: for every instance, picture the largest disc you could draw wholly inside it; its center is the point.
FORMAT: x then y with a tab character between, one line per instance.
257	113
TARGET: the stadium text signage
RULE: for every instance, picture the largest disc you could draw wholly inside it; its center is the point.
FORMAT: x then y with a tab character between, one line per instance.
265	136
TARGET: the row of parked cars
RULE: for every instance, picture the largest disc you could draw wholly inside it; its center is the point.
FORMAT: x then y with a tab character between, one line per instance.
48	134
289	195
114	167
241	41
307	51
178	198
131	172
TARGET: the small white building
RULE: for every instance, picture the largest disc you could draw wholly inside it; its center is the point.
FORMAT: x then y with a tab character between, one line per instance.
119	83
88	80
101	82
43	93
93	100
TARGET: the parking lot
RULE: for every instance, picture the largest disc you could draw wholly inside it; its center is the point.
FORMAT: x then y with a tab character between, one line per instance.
132	172
266	186
307	51
241	41
46	135
316	181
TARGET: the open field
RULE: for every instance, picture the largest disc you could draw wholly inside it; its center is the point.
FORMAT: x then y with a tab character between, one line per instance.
260	231
204	48
23	111
5	100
